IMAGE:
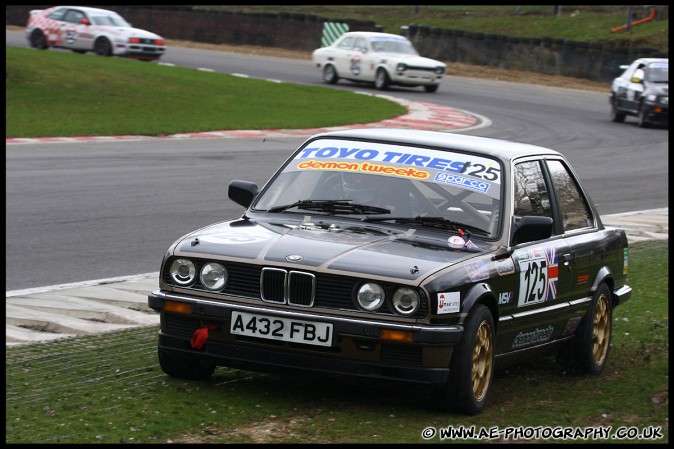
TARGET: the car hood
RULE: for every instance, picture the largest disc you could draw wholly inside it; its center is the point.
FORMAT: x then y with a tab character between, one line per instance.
127	32
340	248
411	60
658	88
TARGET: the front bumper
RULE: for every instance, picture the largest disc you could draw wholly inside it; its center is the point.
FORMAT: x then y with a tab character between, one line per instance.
139	51
656	113
357	350
416	77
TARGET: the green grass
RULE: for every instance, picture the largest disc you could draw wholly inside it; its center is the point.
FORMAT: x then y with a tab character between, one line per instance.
50	93
109	389
589	23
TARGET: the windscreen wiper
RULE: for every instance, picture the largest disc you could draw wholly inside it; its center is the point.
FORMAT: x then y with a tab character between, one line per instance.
332	206
433	222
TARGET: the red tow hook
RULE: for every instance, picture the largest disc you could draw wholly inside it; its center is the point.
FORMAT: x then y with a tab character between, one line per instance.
200	336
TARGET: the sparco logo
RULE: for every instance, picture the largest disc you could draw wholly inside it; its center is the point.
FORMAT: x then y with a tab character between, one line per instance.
532	337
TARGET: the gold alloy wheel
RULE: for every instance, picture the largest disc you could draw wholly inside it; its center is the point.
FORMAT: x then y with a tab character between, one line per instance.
601	330
483	356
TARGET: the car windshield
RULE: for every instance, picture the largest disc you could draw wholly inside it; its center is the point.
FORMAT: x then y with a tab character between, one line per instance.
376	182
393	45
110	20
658	73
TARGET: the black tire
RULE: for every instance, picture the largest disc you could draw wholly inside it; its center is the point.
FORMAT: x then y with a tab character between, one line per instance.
37	40
616	115
471	370
184	367
588	352
641	118
431	87
103	47
382	80
330	74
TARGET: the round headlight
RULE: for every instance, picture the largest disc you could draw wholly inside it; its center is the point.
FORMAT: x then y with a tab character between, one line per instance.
401	67
183	271
440	70
405	301
370	296
213	276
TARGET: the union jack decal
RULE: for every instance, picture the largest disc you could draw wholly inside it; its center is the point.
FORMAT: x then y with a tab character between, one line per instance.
553	272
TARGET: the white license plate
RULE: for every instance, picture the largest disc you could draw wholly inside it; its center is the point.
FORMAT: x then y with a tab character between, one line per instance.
283	329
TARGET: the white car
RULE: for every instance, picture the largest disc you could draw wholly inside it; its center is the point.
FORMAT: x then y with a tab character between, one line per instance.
83	29
380	58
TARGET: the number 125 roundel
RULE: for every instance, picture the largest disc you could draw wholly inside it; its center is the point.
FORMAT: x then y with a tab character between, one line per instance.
401	255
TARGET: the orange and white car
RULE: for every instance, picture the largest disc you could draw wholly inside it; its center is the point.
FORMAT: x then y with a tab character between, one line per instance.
83	29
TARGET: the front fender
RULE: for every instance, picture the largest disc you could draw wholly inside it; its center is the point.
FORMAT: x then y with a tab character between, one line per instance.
604	274
481	293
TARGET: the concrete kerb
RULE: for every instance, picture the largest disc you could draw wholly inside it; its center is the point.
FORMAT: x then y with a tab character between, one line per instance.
420	115
106	305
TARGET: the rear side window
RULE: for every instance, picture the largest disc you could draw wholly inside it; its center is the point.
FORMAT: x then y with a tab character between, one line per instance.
531	194
58	14
346	43
576	213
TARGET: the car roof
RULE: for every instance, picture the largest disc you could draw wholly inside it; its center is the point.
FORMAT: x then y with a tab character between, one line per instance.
89	9
372	34
652	60
498	148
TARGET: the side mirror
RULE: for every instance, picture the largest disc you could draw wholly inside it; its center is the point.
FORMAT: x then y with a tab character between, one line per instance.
531	228
637	76
243	192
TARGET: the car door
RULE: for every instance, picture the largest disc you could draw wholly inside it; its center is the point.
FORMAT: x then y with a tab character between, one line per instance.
635	89
74	32
628	93
587	245
341	57
357	61
369	61
535	314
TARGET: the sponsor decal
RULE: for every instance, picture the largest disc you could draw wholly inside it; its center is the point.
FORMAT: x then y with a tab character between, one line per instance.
456	242
466	171
356	62
505	298
70	36
505	267
539	275
533	337
237	237
477	270
583	277
364	167
471	245
571	326
462	181
625	261
449	302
